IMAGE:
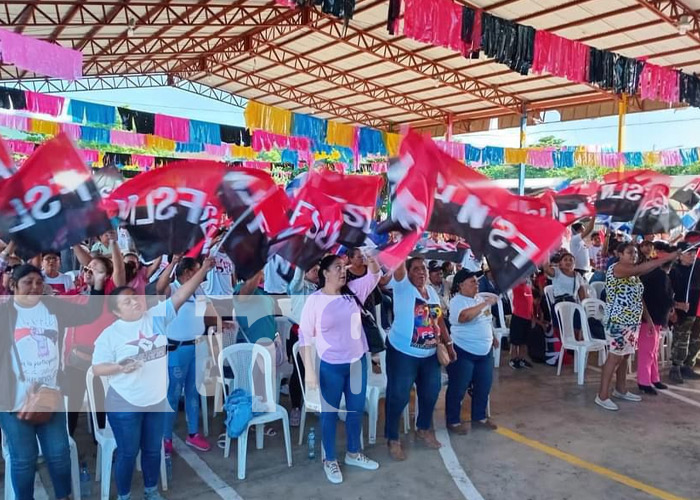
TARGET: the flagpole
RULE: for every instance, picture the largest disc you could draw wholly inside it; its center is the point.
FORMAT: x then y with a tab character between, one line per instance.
692	268
237	223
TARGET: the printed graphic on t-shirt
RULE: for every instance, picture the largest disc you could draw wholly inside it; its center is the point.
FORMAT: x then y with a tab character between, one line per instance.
148	351
38	353
59	288
425	324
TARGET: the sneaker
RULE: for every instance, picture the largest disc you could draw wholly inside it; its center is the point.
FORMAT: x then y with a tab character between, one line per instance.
295	417
525	363
689	374
660	385
361	461
608	404
628	396
647	389
675	375
152	494
198	442
168	447
332	470
515	364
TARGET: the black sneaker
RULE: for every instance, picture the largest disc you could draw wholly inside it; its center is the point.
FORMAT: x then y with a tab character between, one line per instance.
660	385
515	364
525	363
675	375
647	389
689	374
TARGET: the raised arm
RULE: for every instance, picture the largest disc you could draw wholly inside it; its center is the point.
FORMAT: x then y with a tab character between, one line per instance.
625	271
119	273
187	289
588	229
400	272
153	267
248	288
163	282
82	254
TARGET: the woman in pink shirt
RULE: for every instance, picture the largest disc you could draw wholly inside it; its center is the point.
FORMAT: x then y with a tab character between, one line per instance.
331	320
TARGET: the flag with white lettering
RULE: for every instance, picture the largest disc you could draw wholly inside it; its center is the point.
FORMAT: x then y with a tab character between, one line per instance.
170	209
107	179
689	194
52	202
413	182
621	194
655	214
513	242
257	210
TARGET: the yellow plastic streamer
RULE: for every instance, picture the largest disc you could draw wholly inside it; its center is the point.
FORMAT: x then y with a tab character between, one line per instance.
245	152
340	134
392	142
652	158
514	156
263	117
43	127
155	142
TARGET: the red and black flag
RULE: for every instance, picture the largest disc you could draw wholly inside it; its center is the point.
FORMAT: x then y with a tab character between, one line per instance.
315	225
52	202
107	179
513	242
257	211
573	203
170	209
621	194
655	214
7	164
445	251
689	195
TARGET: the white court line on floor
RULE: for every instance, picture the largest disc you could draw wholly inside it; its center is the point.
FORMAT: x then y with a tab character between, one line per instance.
449	458
218	485
683	389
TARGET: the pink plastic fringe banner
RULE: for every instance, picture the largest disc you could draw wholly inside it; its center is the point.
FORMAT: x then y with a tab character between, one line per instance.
71	129
40	57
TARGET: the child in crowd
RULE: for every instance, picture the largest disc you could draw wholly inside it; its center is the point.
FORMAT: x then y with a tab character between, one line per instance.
520	324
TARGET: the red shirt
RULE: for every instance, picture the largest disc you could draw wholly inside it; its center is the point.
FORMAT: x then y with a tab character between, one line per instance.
522	301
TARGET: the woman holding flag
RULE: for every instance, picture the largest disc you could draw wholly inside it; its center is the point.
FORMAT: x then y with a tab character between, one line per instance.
623	318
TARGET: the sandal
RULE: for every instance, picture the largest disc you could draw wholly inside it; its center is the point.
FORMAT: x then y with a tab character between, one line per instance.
396	451
427	437
269	431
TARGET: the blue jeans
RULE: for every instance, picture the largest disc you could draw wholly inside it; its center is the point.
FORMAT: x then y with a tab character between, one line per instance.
182	372
137	430
21	438
402	371
336	380
468	369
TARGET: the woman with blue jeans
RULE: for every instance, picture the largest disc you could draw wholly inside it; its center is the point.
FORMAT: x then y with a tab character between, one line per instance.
183	333
411	354
472	333
133	353
331	321
29	356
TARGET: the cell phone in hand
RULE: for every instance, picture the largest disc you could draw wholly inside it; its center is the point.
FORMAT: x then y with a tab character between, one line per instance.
126	361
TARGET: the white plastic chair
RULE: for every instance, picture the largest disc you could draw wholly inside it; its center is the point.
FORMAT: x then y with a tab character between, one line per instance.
595	308
214	350
285	370
285	306
500	332
565	312
74	467
245	361
312	400
598	287
107	444
590	292
665	343
549	297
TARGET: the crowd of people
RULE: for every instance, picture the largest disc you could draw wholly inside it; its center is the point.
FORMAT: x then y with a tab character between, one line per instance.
98	307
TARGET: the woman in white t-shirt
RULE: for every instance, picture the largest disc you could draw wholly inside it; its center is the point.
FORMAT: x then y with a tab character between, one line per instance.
133	353
30	339
565	280
472	334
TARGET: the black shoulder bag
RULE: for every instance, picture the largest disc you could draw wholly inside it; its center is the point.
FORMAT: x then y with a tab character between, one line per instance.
375	341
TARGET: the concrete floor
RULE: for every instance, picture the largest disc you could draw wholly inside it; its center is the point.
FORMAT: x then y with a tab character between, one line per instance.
656	442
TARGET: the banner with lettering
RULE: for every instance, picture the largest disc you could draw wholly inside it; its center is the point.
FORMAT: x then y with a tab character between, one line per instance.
52	202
